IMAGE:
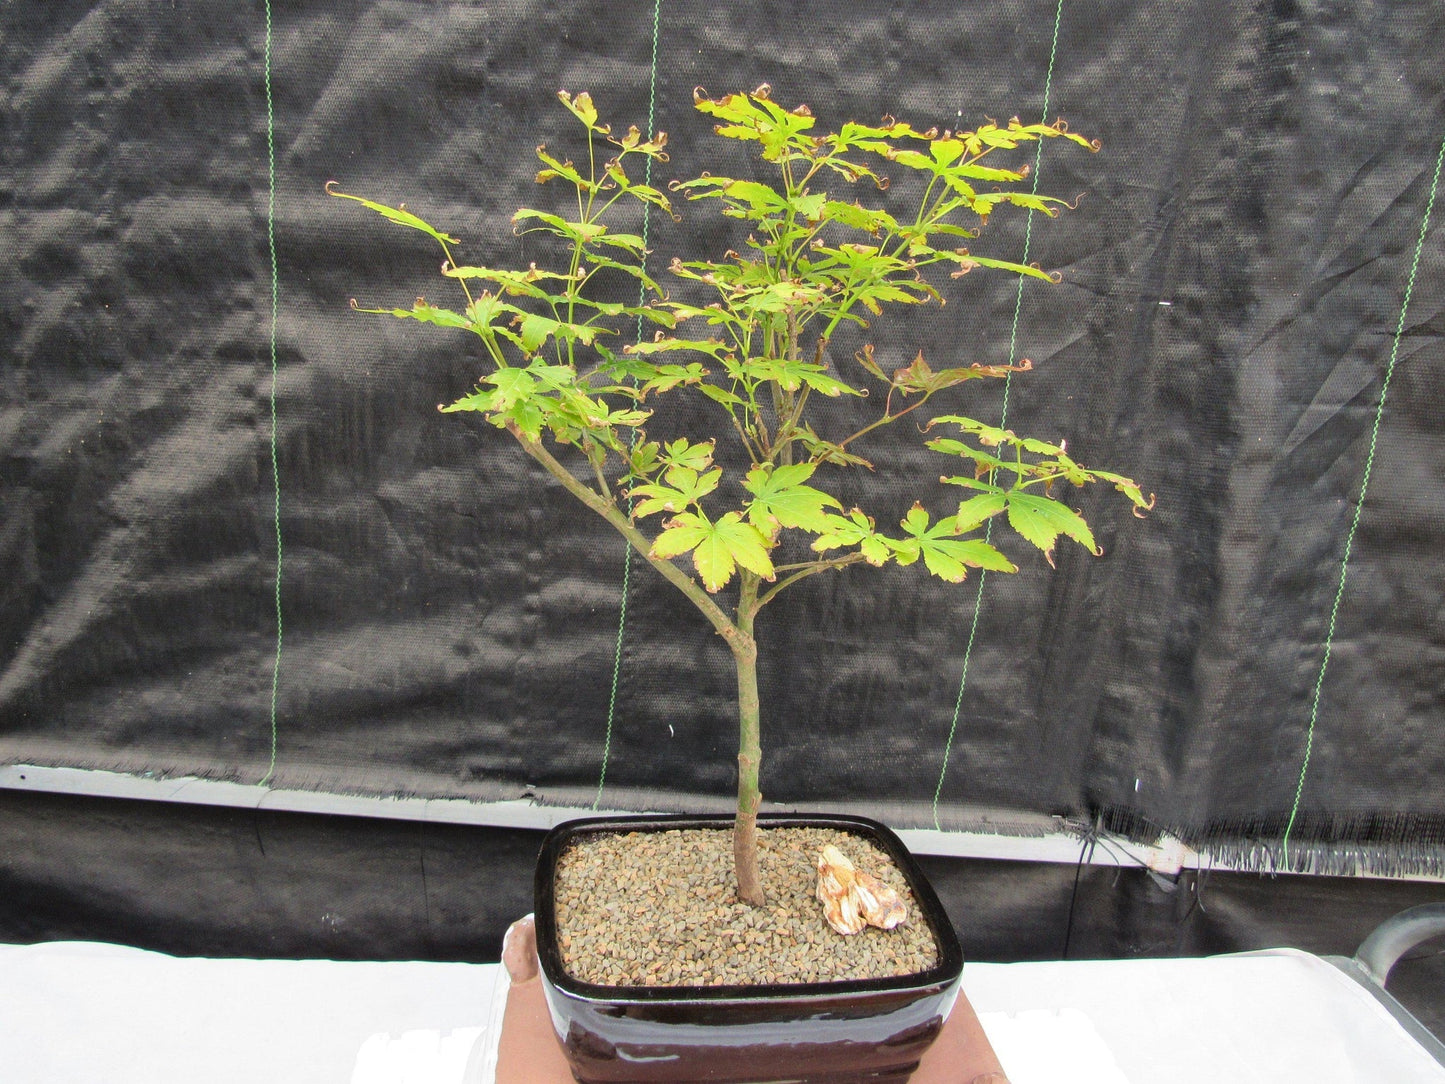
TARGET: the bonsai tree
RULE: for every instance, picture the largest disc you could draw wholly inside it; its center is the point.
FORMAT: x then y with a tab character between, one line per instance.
569	377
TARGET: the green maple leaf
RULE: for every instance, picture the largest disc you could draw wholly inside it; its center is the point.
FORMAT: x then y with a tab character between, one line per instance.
717	548
400	215
781	500
582	108
680	488
854	529
973	512
946	557
683	453
1040	520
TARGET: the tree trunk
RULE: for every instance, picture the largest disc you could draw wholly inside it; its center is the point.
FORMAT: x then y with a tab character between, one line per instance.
745	828
739	637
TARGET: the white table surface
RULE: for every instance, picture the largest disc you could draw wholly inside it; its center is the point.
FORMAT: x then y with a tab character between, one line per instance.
86	1012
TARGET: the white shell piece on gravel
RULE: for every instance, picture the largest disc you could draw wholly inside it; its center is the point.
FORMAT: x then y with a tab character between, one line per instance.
879	903
838	892
853	899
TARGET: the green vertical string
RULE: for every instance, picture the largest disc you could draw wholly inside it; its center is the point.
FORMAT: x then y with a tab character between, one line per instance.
1359	508
1003	420
627	547
275	458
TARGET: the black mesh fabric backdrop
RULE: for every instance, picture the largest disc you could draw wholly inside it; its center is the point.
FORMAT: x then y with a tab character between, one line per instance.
444	622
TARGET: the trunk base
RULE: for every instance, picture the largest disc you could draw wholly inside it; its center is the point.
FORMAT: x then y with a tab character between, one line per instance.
745	859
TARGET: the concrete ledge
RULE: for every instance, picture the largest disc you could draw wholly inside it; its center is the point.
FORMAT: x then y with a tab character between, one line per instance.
1168	856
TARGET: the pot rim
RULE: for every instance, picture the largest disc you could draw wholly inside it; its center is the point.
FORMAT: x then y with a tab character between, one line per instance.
945	972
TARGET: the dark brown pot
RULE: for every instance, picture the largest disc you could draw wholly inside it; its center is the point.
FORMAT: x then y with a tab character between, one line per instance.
835	1032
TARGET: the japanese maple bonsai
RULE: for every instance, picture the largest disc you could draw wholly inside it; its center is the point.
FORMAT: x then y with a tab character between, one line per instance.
570	379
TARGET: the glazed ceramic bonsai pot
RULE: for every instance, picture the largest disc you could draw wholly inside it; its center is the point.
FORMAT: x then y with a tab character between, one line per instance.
866	1029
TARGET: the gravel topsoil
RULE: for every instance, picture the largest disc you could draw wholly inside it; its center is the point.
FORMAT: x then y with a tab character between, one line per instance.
661	909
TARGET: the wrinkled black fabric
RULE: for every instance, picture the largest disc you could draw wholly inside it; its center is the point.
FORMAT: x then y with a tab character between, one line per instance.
1233	278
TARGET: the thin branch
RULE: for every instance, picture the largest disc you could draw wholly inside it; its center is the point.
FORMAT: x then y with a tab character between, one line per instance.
640	542
885	420
602	485
790	426
812	568
754	454
760	429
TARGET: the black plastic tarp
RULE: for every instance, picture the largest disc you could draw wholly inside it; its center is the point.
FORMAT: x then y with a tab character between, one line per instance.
233	521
